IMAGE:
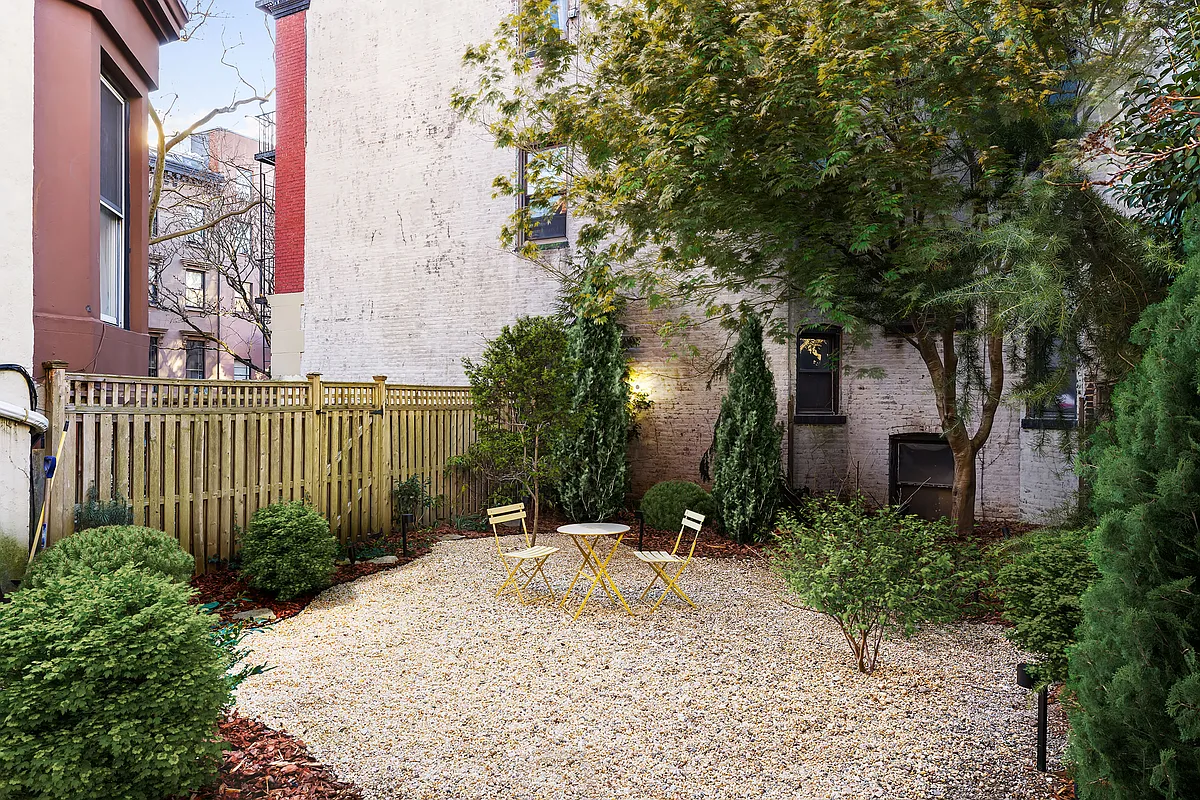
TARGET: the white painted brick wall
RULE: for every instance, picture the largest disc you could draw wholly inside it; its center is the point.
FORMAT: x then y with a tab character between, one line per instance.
404	274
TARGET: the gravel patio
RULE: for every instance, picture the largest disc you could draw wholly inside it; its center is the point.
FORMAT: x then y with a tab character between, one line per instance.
417	683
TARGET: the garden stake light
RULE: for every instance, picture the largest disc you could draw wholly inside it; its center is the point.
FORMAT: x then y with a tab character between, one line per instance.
1025	681
404	520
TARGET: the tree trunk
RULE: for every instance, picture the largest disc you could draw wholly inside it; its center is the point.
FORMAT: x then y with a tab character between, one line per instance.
963	503
943	373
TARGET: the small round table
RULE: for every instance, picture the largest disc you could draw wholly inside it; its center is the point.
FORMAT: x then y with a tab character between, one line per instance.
585	535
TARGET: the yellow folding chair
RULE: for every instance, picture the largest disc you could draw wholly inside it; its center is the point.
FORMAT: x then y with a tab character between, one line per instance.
661	561
522	565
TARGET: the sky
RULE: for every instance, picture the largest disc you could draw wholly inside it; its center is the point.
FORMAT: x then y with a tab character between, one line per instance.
192	76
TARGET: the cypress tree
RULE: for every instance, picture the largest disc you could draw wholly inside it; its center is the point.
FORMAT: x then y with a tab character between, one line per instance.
593	451
1134	674
746	451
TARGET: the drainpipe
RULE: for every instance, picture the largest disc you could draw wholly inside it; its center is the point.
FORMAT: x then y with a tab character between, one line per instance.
37	423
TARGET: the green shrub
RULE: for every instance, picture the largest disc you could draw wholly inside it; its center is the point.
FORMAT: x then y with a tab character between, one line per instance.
110	686
95	513
664	504
288	550
1041	584
412	496
13	555
103	550
871	571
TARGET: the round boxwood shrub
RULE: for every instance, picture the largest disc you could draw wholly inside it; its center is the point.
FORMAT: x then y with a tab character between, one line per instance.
107	549
664	504
110	686
288	550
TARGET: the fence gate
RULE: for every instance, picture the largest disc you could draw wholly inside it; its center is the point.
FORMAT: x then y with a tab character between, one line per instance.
198	458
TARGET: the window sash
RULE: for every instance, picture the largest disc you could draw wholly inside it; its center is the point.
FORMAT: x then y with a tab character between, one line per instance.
197	358
194	295
817	374
152	369
114	180
547	216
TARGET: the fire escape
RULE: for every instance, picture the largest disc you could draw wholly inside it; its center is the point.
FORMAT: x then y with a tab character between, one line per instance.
266	227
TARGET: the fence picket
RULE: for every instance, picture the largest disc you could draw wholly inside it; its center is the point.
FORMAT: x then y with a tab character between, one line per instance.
197	458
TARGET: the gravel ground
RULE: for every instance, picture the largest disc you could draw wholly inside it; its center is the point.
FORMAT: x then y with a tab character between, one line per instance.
417	683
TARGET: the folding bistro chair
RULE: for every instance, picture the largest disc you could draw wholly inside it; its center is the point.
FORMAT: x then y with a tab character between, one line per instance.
522	565
663	562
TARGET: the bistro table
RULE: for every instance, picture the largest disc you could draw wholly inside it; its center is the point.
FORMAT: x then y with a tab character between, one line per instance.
585	535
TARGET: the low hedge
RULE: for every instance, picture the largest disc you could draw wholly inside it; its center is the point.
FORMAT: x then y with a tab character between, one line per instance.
105	550
288	550
663	505
110	686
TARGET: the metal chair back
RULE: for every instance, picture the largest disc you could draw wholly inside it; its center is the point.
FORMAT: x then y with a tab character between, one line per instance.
502	514
693	522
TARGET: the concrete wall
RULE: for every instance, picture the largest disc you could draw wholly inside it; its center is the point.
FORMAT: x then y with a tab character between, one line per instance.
16	257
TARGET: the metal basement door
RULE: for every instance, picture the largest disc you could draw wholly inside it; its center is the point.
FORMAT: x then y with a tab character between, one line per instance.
922	474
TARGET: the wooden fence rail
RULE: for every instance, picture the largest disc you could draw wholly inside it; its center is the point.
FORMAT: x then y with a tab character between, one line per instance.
197	458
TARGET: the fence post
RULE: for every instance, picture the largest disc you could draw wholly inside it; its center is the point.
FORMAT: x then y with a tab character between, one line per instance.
60	512
314	467
381	500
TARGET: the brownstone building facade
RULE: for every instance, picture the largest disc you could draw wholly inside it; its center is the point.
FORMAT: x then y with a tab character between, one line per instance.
95	63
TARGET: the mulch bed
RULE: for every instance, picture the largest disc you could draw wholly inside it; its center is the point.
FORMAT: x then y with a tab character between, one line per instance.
226	585
265	763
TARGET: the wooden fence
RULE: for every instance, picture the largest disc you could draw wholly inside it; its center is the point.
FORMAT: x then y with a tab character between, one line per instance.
197	458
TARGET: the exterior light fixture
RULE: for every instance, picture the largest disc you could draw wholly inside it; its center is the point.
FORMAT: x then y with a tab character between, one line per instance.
1025	681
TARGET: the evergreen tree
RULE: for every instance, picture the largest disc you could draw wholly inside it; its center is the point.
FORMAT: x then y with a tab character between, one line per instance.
746	451
1134	673
593	453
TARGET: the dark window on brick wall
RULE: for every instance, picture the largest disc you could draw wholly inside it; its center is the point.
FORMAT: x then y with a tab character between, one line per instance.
818	351
152	367
1047	363
541	173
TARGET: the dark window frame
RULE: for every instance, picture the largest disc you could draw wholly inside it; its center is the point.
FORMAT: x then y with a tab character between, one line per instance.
550	227
1049	415
152	366
108	203
192	347
827	413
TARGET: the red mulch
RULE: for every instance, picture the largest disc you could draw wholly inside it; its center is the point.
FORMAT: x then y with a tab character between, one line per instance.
265	764
226	586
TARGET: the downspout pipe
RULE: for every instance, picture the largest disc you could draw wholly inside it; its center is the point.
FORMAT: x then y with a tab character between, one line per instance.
37	424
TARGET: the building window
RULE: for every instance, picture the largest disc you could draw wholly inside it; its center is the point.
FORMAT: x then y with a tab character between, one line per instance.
542	177
817	353
193	289
152	369
243	299
155	280
241	372
922	475
197	359
193	217
1048	364
114	181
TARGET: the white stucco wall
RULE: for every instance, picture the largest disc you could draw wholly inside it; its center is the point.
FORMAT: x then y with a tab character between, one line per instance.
404	274
16	256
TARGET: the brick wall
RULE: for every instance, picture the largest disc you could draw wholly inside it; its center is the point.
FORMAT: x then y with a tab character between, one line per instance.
290	136
405	275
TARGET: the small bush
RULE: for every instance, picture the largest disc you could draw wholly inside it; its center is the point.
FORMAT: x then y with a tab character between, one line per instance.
288	550
110	686
1041	586
664	504
871	571
105	550
412	496
13	555
95	513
